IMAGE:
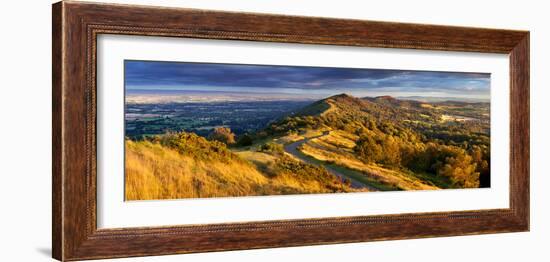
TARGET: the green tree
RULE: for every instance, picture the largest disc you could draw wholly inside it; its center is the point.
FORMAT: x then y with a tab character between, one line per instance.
369	149
392	152
481	156
245	140
461	171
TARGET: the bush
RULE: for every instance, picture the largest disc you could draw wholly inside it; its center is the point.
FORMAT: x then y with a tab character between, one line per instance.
190	144
272	148
369	149
245	140
304	172
222	134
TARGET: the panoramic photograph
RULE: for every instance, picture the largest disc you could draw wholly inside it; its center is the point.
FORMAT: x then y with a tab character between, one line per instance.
202	130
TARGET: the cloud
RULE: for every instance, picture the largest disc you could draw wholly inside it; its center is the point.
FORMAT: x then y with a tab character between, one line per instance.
176	74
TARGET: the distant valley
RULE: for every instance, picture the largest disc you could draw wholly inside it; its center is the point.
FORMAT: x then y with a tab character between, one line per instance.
340	143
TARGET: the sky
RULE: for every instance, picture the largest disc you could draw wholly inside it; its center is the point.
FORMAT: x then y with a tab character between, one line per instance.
301	81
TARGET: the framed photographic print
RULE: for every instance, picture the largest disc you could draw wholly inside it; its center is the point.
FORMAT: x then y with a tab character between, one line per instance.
182	130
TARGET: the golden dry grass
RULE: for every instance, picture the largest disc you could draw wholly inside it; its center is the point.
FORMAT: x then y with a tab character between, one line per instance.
154	171
297	137
335	148
284	181
256	157
288	139
157	172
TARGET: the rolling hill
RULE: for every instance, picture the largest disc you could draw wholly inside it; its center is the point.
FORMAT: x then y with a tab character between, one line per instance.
338	144
185	165
403	145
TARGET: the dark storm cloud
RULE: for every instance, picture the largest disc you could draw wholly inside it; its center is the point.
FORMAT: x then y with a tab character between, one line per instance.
150	74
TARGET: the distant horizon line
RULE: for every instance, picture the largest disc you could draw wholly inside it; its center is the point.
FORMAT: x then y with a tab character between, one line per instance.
420	98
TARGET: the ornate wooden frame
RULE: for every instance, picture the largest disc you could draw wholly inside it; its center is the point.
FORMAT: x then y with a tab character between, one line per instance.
76	26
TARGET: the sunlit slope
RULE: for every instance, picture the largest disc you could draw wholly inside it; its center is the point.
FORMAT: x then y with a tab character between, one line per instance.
338	144
337	148
188	166
402	145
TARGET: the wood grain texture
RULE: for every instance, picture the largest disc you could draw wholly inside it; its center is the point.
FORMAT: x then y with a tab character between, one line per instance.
519	129
57	191
76	26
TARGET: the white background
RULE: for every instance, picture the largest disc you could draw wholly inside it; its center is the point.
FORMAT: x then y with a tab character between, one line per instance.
25	147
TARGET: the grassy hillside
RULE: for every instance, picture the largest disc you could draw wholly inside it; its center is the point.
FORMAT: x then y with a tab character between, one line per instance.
404	145
337	148
184	165
338	144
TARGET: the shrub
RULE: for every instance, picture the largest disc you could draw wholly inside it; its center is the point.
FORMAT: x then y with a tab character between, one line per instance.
272	148
369	149
305	172
222	134
190	144
245	140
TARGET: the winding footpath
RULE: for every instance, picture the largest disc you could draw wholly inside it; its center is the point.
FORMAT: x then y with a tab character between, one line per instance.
293	150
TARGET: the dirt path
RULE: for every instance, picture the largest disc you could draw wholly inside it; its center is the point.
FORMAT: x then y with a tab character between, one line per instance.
293	150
